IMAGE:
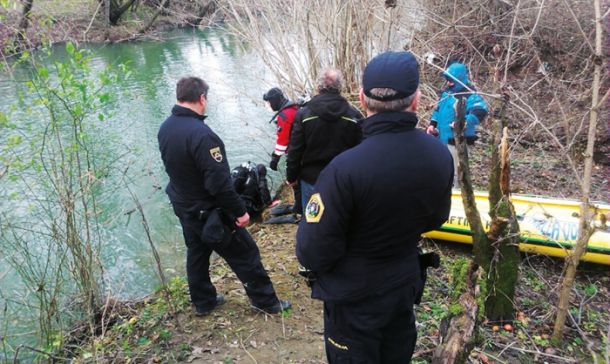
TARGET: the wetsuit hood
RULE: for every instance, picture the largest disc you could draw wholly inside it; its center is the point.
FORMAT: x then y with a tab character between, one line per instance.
329	106
276	99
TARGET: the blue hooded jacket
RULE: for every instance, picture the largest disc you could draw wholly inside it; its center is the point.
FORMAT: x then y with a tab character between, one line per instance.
446	110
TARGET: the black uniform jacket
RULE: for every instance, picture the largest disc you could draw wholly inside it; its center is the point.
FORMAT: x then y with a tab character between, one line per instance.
326	126
374	202
196	162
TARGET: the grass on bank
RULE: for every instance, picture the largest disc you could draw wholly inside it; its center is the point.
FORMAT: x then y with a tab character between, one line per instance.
146	332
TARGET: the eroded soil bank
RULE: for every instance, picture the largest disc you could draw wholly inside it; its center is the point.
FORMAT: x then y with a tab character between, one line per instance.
234	333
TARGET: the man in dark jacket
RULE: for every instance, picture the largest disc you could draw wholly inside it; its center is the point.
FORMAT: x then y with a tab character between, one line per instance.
362	225
212	215
326	126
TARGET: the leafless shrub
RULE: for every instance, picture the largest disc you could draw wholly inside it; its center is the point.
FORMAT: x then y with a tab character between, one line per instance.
546	59
298	38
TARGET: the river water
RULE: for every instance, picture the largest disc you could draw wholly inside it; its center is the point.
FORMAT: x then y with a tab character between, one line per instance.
236	112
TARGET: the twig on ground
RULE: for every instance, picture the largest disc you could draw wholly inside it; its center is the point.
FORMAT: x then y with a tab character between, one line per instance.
497	358
508	347
567	360
49	355
246	350
607	356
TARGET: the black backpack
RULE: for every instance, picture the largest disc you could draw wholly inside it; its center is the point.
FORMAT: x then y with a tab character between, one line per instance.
250	182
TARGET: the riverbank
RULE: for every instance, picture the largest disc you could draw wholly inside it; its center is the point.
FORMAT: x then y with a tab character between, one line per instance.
57	21
147	331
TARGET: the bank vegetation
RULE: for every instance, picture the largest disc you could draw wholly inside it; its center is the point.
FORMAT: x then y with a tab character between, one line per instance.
539	63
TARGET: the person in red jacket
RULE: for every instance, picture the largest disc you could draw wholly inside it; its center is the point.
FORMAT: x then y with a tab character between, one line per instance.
283	118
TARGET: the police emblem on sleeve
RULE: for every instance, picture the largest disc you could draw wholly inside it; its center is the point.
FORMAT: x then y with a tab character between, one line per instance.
216	154
314	209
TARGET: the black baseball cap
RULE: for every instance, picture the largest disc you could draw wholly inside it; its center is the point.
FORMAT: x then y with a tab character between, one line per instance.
396	70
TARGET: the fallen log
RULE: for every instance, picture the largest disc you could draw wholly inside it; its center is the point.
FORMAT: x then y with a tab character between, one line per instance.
458	338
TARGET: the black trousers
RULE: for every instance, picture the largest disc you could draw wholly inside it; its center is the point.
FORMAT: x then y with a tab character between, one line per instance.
242	255
378	329
297	208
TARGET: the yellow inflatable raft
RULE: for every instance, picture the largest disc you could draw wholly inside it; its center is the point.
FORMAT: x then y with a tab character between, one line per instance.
548	226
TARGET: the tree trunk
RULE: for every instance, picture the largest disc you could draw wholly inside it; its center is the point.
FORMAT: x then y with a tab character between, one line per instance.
585	230
25	15
165	7
152	20
311	49
497	124
497	251
504	236
481	247
458	339
117	9
206	10
24	23
107	6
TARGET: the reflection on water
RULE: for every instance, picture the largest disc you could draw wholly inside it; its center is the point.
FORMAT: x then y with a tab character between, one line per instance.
237	81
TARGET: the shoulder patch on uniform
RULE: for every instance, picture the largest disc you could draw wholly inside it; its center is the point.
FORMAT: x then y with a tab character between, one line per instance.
216	154
314	209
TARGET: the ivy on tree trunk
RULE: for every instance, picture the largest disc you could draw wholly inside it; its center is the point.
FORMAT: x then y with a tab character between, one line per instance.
496	252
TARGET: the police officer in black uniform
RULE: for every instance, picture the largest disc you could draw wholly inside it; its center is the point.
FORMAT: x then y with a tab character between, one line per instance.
363	223
212	215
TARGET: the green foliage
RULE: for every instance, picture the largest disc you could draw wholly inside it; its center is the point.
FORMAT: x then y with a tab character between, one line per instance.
53	147
532	280
455	309
54	343
4	123
539	340
148	334
590	289
287	313
503	209
481	297
459	270
178	291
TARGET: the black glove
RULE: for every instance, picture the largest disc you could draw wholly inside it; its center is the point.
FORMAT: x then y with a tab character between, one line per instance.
310	277
429	260
426	260
275	159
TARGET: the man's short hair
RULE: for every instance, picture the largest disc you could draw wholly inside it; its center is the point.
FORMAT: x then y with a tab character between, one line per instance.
330	80
190	89
378	106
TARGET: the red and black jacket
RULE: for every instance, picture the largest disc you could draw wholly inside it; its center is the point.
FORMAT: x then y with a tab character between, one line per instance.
284	119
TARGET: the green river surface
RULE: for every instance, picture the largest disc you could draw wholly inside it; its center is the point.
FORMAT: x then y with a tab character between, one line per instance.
236	112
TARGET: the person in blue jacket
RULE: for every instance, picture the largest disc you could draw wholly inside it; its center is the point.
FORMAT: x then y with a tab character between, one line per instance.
443	117
363	223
